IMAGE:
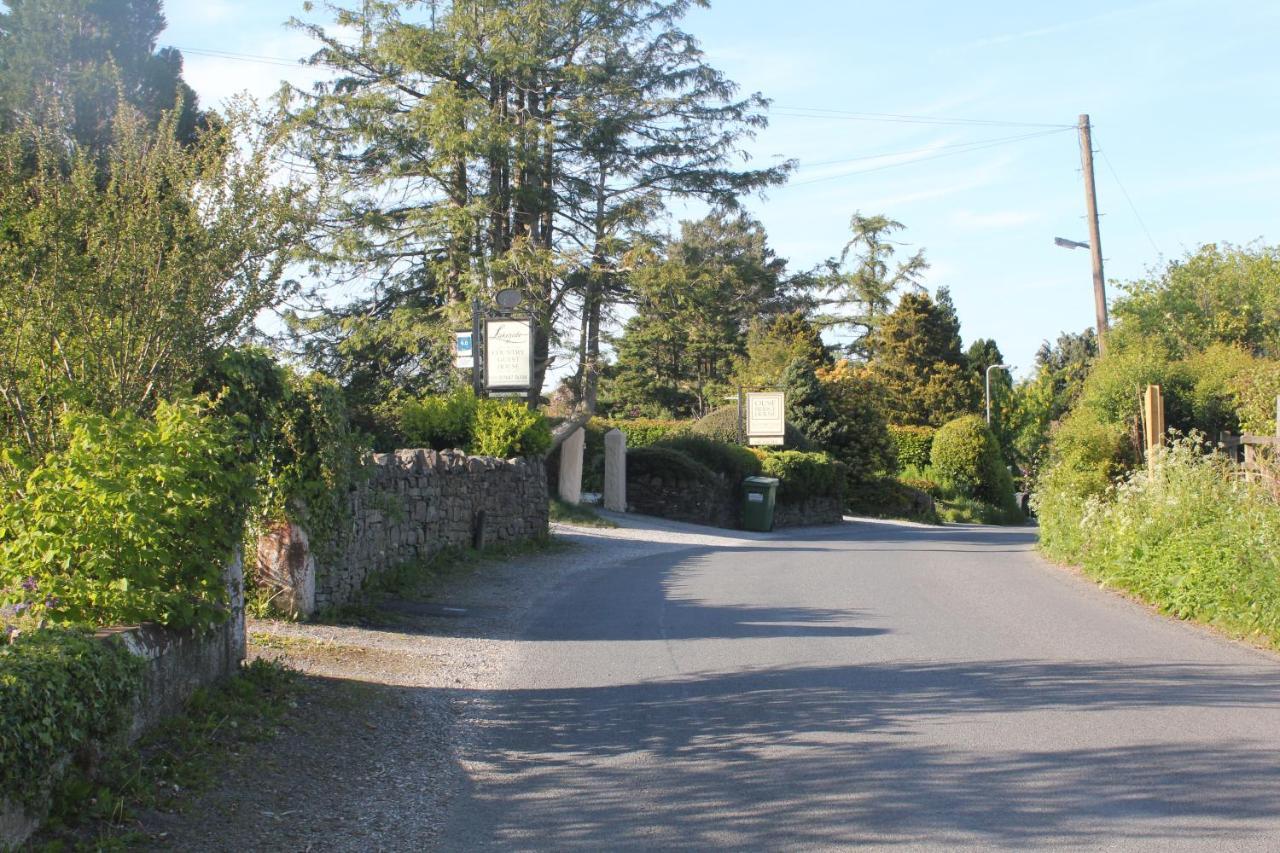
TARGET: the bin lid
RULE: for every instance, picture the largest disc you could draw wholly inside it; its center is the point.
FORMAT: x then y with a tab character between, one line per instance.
761	481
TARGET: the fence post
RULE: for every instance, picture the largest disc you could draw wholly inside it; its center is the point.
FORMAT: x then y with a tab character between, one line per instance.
1153	409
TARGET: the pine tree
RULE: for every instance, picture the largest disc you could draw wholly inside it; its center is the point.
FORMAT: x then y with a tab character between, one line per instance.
918	362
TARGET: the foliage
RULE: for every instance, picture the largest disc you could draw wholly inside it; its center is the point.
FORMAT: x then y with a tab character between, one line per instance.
1191	538
863	295
731	460
577	515
722	425
507	428
640	432
862	442
667	464
1041	402
809	407
182	756
60	691
134	521
773	344
917	362
1218	294
527	141
67	62
440	422
886	497
118	282
965	454
695	299
805	475
913	444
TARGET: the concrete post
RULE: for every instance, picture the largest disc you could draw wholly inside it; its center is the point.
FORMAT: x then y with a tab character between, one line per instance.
615	471
571	452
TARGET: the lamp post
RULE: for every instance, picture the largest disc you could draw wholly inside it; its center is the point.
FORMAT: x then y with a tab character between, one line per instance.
989	369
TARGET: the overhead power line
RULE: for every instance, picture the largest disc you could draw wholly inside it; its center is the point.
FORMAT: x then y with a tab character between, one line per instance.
1132	206
240	57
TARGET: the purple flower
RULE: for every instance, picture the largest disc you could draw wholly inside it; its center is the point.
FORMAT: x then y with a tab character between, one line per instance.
29	584
20	607
51	602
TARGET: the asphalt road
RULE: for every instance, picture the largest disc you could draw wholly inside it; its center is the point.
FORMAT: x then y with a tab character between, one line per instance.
867	685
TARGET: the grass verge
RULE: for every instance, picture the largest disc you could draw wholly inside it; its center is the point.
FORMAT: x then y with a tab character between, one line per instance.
578	515
95	808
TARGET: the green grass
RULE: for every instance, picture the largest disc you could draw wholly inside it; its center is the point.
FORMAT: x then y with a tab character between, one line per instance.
957	508
182	756
578	515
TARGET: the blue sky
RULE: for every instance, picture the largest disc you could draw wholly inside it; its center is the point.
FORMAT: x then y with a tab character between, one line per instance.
1182	94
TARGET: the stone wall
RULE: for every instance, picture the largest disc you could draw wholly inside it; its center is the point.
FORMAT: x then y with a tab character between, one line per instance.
808	512
414	504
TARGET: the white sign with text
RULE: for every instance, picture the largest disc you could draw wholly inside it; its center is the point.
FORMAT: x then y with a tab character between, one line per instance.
766	417
508	355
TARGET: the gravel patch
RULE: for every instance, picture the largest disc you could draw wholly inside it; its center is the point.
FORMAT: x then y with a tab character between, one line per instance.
371	758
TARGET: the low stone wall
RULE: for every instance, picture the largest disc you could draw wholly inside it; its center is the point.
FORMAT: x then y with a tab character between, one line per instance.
808	512
414	504
177	663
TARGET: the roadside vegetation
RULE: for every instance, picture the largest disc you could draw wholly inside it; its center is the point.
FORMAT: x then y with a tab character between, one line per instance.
1186	530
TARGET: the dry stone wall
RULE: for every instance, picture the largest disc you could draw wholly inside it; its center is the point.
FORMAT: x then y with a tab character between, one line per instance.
414	504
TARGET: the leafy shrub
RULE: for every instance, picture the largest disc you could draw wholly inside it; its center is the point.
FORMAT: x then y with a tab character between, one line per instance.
929	487
441	423
133	522
643	432
507	428
913	443
668	465
1086	458
733	461
60	690
966	455
1192	538
805	475
722	425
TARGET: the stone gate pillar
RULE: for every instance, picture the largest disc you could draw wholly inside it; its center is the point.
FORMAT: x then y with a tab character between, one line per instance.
571	452
615	470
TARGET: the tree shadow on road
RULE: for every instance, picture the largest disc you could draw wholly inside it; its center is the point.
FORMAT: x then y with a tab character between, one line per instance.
826	756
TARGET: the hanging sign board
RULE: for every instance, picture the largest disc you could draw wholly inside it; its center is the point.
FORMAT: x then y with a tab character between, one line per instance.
766	417
508	354
464	354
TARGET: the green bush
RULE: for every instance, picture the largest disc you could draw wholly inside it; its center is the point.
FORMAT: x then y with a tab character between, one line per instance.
733	461
722	425
923	484
1086	458
1192	538
914	444
805	475
60	690
669	465
966	455
507	428
643	432
441	423
133	522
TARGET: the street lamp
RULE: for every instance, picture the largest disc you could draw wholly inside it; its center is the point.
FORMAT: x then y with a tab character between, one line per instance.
1069	244
989	369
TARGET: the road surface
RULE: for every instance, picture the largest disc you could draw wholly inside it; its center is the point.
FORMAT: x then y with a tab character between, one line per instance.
867	684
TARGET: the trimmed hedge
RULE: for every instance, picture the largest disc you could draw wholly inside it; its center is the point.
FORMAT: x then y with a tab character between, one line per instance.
914	444
731	460
722	425
667	464
805	475
60	691
968	458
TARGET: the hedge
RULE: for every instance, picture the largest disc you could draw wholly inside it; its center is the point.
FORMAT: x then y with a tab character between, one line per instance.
60	690
914	444
490	427
667	464
733	461
805	475
968	458
722	425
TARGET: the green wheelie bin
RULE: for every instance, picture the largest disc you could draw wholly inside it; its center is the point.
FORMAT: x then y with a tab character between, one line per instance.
758	497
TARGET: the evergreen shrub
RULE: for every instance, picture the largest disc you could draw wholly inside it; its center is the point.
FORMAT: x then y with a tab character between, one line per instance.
968	458
914	444
805	475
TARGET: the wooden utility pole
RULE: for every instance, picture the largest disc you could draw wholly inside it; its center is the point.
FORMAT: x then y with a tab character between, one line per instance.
1095	235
